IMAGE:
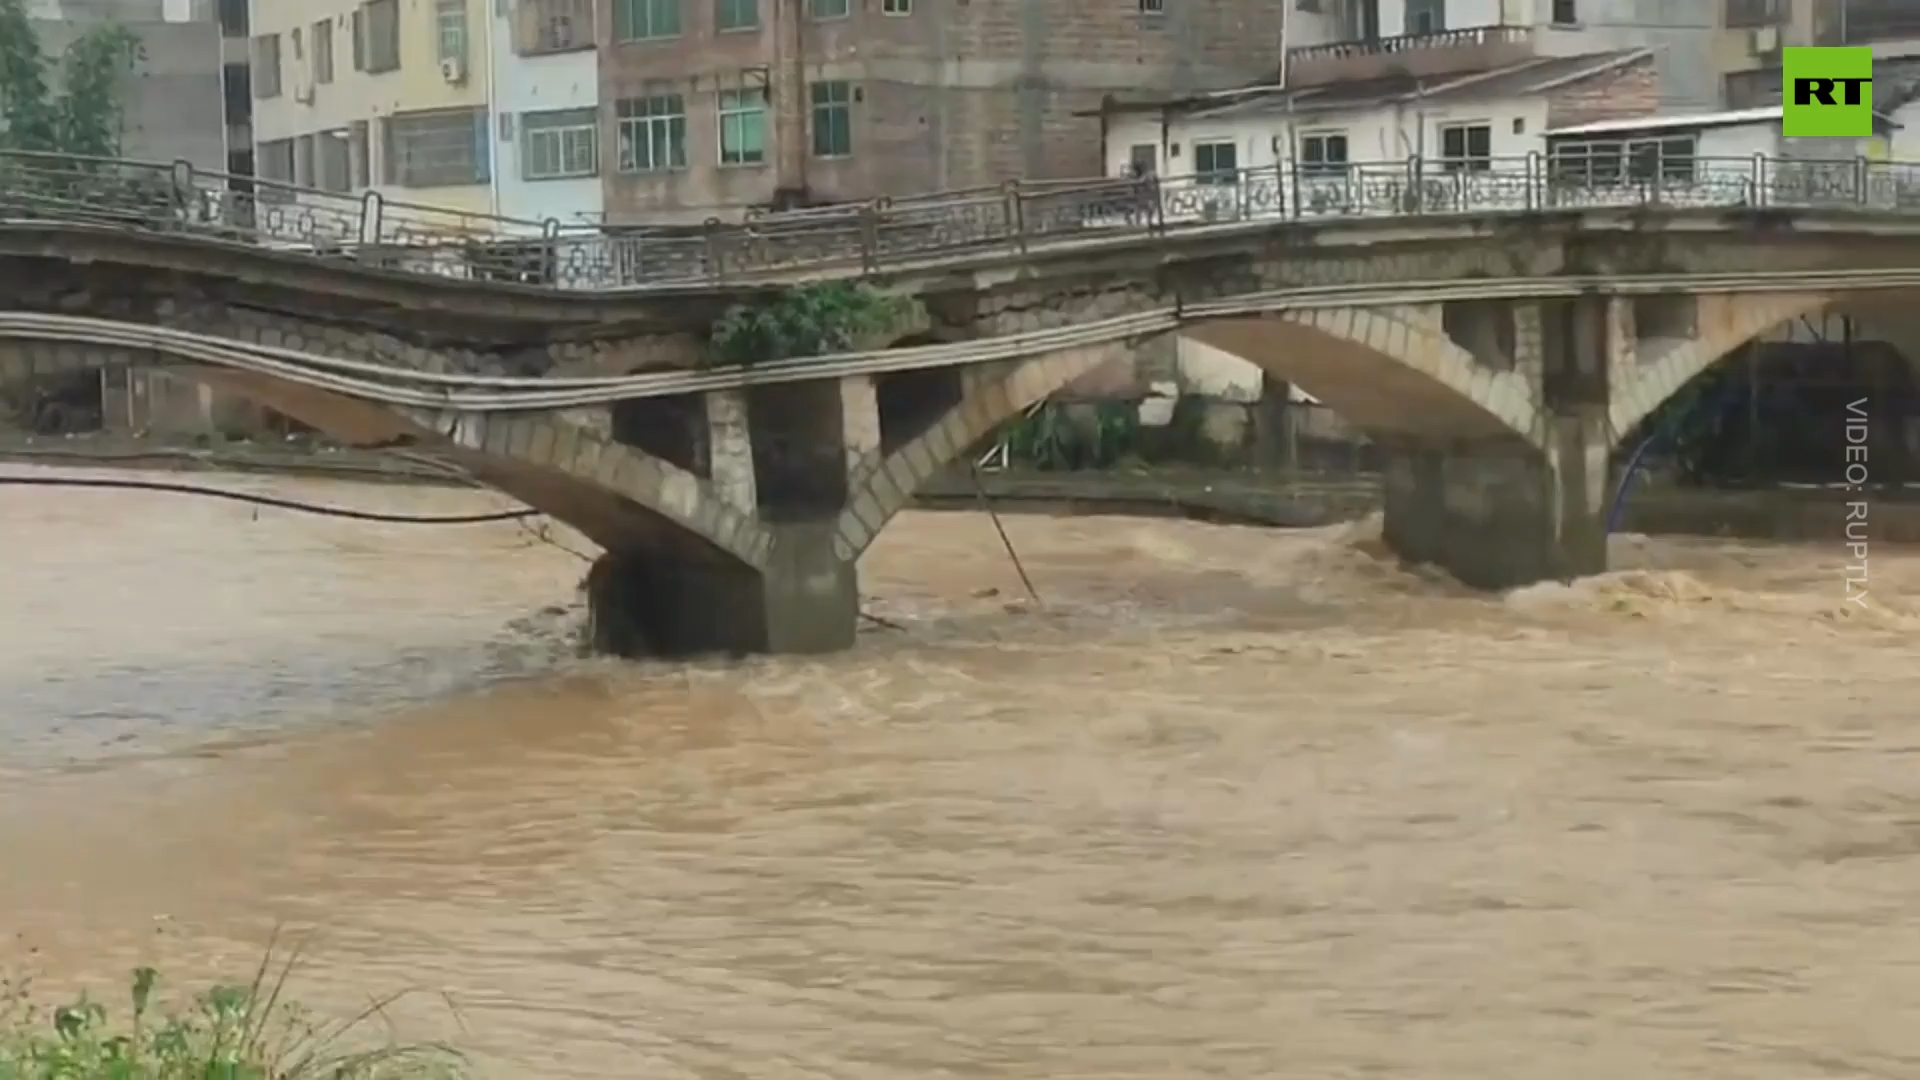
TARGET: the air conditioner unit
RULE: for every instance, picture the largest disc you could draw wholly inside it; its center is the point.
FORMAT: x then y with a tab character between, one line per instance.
453	70
1764	41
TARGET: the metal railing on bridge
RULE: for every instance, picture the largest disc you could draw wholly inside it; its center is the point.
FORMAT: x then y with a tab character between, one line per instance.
869	237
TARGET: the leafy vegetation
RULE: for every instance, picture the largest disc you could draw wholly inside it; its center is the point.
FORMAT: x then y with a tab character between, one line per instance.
86	114
1062	436
810	320
245	1032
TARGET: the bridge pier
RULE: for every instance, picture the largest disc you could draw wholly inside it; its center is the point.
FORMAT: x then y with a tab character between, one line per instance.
1503	512
784	456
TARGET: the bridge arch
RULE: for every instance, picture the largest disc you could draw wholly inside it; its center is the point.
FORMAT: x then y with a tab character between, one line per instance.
620	498
1391	371
1724	323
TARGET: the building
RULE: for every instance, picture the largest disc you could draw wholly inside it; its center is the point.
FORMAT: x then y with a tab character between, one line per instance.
1353	40
1320	138
714	106
382	94
547	156
1747	52
174	109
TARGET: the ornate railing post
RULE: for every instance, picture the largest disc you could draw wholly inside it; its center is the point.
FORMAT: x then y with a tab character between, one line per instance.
1534	181
1758	182
1013	212
1416	197
181	182
1860	177
1156	196
716	249
870	237
1292	170
373	209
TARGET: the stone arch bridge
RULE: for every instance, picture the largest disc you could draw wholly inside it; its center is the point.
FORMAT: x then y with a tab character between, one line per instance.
733	519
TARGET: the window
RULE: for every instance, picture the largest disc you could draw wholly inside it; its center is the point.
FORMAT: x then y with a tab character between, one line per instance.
1751	89
442	148
360	154
1566	12
832	119
736	14
828	9
381	28
359	40
1153	7
1426	16
335	165
1743	14
1216	162
266	66
652	132
450	28
561	143
303	161
233	18
550	26
323	51
1466	148
1143	159
1669	159
743	126
896	7
275	161
1323	154
645	20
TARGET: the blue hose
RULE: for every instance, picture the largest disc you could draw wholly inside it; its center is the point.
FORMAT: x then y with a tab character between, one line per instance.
1618	510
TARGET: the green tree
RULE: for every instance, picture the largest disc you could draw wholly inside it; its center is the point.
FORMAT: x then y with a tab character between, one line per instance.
809	320
87	113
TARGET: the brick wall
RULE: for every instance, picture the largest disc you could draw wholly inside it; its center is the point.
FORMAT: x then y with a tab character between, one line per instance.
1633	90
957	93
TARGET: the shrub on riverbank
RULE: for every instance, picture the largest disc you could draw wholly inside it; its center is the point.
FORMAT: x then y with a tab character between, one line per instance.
230	1032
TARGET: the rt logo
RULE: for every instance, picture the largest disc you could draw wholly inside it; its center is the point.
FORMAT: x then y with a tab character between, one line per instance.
1827	92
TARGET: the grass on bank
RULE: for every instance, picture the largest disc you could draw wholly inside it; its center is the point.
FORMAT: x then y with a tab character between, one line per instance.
229	1032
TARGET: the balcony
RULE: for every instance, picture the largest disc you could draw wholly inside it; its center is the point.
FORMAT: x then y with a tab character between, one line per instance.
1476	48
1870	21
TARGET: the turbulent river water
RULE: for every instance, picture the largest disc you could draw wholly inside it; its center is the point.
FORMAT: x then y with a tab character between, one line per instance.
1227	803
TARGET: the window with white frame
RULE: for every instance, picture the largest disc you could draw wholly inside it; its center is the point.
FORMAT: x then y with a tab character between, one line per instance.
645	20
1426	16
1323	154
652	131
1153	7
437	148
832	118
736	14
1671	159
896	7
742	115
559	143
1216	162
829	9
450	26
1466	147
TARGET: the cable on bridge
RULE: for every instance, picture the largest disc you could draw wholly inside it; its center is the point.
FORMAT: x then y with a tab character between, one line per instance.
294	505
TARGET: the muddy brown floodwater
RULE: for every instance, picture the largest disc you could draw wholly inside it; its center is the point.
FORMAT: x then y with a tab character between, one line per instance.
1233	803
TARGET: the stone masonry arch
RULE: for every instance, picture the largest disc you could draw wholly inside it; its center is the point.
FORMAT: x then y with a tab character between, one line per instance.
618	497
1724	323
1391	371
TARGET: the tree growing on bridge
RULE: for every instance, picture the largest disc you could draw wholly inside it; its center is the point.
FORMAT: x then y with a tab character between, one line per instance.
83	111
809	320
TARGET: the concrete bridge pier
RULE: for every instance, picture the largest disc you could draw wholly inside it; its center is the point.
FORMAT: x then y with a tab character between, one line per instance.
1505	511
780	457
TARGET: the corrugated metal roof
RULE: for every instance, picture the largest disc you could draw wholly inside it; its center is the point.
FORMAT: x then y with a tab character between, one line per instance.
1686	121
1511	80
